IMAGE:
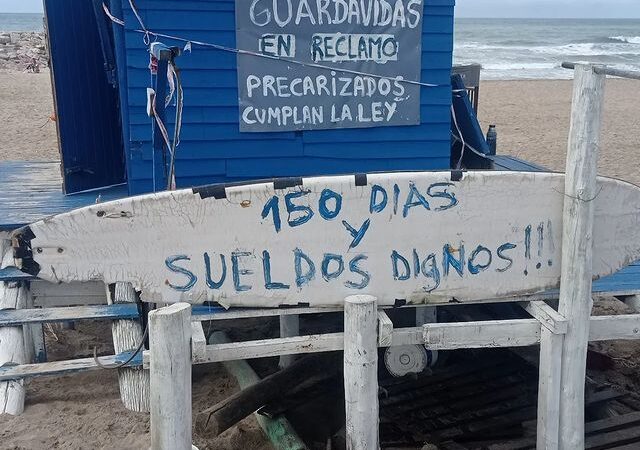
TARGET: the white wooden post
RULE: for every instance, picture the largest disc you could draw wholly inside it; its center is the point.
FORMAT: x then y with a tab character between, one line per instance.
577	248
549	389
127	334
426	314
170	373
289	327
34	336
361	372
633	302
12	339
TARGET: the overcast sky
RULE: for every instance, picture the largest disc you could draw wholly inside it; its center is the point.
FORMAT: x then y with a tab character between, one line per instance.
549	8
475	8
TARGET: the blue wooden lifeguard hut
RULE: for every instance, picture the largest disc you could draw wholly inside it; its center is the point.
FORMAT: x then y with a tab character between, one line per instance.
107	137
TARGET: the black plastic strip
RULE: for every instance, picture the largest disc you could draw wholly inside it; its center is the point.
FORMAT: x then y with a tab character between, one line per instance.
361	179
284	183
27	234
216	191
30	266
22	250
456	175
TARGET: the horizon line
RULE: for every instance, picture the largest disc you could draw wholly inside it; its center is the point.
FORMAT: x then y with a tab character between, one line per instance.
455	16
549	18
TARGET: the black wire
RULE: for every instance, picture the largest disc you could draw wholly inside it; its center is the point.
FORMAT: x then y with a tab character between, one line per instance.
133	355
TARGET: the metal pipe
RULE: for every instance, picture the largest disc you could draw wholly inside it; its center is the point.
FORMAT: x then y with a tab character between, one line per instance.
603	70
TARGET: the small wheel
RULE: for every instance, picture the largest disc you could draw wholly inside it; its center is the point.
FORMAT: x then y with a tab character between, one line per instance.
406	359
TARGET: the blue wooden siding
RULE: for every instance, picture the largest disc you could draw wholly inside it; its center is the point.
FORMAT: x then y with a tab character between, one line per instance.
213	150
89	134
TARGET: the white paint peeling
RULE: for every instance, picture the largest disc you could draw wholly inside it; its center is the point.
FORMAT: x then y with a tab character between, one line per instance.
158	242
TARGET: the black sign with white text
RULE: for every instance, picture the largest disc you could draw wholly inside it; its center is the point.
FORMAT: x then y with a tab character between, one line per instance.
351	57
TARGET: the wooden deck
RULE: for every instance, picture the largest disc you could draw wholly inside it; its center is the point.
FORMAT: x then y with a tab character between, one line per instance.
32	190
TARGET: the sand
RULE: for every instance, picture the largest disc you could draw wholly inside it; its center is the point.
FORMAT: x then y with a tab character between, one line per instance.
84	410
26	103
532	119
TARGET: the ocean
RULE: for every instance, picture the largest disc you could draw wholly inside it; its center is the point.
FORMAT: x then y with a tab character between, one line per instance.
21	22
508	48
534	48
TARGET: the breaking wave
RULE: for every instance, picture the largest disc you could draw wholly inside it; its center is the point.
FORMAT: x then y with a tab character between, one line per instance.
626	39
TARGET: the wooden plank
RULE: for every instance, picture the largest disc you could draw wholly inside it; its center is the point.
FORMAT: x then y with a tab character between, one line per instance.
36	332
280	238
43	315
293	345
361	372
278	429
483	334
170	377
488	334
14	348
198	342
579	247
275	347
205	313
603	396
128	335
46	294
42	193
436	336
612	423
605	328
289	326
385	329
549	389
633	446
11	274
274	388
613	439
64	367
547	316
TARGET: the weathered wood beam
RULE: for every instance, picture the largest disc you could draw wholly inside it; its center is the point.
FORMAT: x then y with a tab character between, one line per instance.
549	389
482	334
204	313
361	372
575	300
47	295
385	329
170	373
278	429
127	336
65	367
16	317
608	328
436	336
223	415
13	345
198	342
548	317
289	326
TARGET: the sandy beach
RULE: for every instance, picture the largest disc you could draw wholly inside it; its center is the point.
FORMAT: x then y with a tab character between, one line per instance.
84	411
532	118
